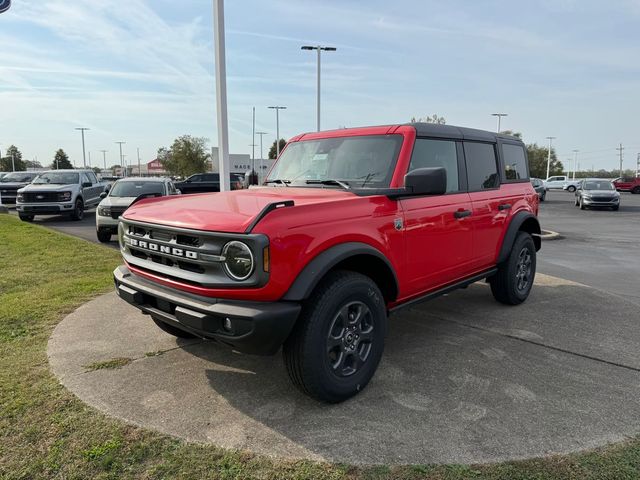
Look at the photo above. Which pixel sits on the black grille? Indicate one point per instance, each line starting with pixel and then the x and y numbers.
pixel 602 199
pixel 34 197
pixel 117 211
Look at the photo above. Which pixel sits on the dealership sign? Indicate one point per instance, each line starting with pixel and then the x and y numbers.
pixel 4 5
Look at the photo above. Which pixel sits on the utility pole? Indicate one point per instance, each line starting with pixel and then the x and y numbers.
pixel 13 161
pixel 620 150
pixel 122 158
pixel 319 48
pixel 261 134
pixel 548 153
pixel 104 158
pixel 253 144
pixel 500 115
pixel 221 96
pixel 575 162
pixel 277 109
pixel 139 171
pixel 638 165
pixel 89 158
pixel 84 157
pixel 253 160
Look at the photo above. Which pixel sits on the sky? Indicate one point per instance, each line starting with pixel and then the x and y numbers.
pixel 142 71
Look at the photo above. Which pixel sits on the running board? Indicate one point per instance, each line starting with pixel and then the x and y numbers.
pixel 449 288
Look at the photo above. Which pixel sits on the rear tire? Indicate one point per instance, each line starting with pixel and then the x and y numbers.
pixel 512 283
pixel 26 218
pixel 171 330
pixel 636 190
pixel 571 189
pixel 78 210
pixel 337 342
pixel 103 236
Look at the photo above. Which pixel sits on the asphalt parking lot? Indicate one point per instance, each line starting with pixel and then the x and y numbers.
pixel 463 379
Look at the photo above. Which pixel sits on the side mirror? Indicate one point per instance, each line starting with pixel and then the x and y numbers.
pixel 426 181
pixel 188 180
pixel 86 184
pixel 103 195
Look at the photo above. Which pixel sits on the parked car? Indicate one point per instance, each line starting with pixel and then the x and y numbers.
pixel 121 195
pixel 627 184
pixel 67 192
pixel 208 182
pixel 597 193
pixel 540 188
pixel 11 183
pixel 556 182
pixel 571 185
pixel 351 225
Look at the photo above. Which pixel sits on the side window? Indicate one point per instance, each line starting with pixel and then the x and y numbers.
pixel 92 177
pixel 515 162
pixel 84 178
pixel 482 168
pixel 437 153
pixel 196 178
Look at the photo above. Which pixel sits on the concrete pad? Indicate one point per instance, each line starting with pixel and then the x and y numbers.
pixel 463 380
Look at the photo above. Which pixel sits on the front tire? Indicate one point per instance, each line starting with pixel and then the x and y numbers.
pixel 512 283
pixel 337 342
pixel 171 330
pixel 543 197
pixel 582 205
pixel 26 218
pixel 78 210
pixel 103 236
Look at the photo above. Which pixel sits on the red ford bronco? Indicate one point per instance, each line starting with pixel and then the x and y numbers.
pixel 349 226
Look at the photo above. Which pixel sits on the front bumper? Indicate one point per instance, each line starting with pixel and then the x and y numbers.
pixel 258 328
pixel 107 223
pixel 45 208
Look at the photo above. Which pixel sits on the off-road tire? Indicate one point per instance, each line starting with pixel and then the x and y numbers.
pixel 171 330
pixel 78 210
pixel 342 302
pixel 505 284
pixel 103 236
pixel 26 218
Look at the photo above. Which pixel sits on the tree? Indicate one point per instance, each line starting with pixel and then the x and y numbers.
pixel 32 164
pixel 432 119
pixel 61 160
pixel 96 170
pixel 273 150
pixel 187 155
pixel 538 161
pixel 7 162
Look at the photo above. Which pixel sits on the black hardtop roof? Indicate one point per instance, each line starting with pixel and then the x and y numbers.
pixel 462 133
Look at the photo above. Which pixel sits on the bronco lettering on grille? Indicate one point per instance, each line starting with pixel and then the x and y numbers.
pixel 178 252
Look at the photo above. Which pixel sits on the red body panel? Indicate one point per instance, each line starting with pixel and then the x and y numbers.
pixel 433 247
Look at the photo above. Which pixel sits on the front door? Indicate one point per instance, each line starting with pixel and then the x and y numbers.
pixel 438 230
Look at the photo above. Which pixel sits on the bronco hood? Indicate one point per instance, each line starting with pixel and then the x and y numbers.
pixel 230 212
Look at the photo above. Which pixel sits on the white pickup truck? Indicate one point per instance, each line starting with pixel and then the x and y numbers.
pixel 561 182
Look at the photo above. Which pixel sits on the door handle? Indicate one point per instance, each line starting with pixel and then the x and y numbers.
pixel 462 213
pixel 504 206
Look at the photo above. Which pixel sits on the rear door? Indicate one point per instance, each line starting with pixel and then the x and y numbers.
pixel 95 190
pixel 438 229
pixel 490 209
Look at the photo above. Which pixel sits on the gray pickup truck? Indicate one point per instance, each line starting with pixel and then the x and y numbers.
pixel 60 192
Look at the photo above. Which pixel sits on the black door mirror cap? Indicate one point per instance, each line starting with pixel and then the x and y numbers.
pixel 103 195
pixel 426 181
pixel 86 184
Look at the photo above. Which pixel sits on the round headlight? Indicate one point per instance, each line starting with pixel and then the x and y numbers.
pixel 238 261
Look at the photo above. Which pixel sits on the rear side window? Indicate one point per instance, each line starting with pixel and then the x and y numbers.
pixel 515 162
pixel 437 153
pixel 482 168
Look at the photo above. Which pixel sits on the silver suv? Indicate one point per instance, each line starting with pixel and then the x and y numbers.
pixel 57 192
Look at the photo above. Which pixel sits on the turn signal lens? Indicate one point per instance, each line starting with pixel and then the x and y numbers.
pixel 265 259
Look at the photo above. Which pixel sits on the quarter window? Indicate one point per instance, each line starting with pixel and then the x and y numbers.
pixel 515 162
pixel 428 153
pixel 482 169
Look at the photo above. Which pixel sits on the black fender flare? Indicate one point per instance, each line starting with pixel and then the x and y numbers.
pixel 514 227
pixel 317 268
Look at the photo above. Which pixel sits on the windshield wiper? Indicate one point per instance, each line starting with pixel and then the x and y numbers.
pixel 280 181
pixel 329 181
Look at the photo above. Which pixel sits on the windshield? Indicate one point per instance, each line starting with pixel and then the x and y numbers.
pixel 57 178
pixel 601 185
pixel 134 189
pixel 18 177
pixel 363 161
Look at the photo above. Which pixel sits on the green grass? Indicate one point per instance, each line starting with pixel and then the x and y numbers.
pixel 112 364
pixel 45 432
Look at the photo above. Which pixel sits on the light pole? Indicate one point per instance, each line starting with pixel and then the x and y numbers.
pixel 221 96
pixel 139 171
pixel 261 134
pixel 277 109
pixel 575 163
pixel 84 157
pixel 104 158
pixel 549 155
pixel 500 115
pixel 122 158
pixel 319 48
pixel 638 165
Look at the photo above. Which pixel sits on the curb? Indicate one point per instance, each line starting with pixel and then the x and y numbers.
pixel 550 235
